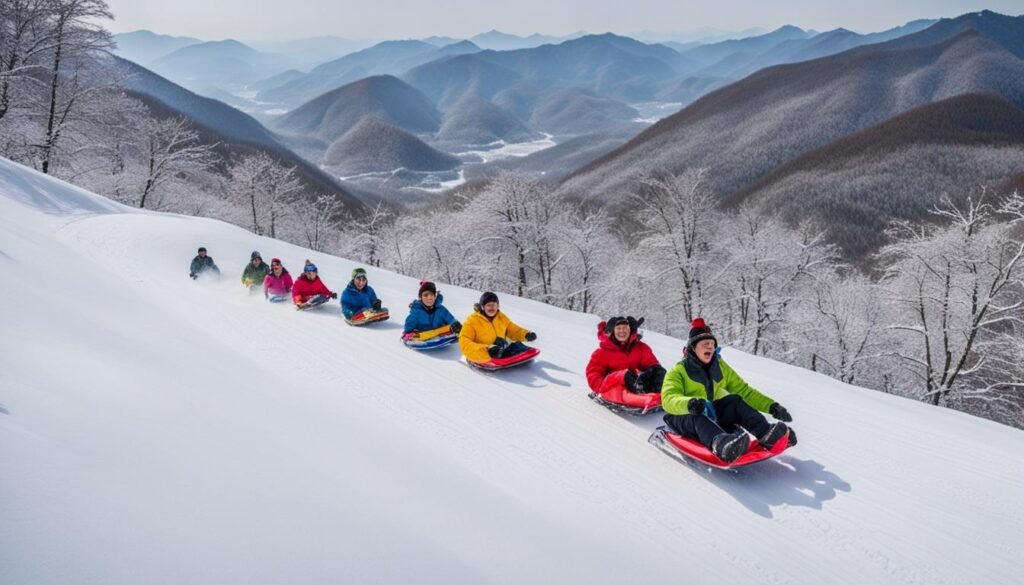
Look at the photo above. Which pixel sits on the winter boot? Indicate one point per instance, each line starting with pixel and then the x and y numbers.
pixel 792 437
pixel 729 446
pixel 775 432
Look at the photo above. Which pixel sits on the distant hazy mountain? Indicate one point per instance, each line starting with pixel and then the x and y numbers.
pixel 384 97
pixel 743 131
pixel 499 41
pixel 576 111
pixel 143 46
pixel 474 121
pixel 898 169
pixel 219 64
pixel 709 54
pixel 387 58
pixel 306 53
pixel 608 65
pixel 211 113
pixel 233 131
pixel 375 146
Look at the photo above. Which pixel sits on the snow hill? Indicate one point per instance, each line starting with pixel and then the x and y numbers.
pixel 158 430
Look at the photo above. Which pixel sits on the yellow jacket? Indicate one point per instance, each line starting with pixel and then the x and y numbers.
pixel 479 332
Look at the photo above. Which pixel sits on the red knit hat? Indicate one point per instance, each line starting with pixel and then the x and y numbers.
pixel 699 331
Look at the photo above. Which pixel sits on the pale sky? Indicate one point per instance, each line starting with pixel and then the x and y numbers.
pixel 396 19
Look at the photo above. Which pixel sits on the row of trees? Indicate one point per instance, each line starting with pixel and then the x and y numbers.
pixel 944 323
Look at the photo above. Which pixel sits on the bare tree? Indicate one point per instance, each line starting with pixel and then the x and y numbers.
pixel 170 148
pixel 77 40
pixel 24 38
pixel 266 188
pixel 961 287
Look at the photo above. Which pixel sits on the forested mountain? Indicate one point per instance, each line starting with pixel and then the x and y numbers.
pixel 743 131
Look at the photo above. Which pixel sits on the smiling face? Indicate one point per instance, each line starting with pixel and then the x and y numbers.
pixel 310 274
pixel 621 332
pixel 428 298
pixel 257 261
pixel 705 350
pixel 491 308
pixel 360 282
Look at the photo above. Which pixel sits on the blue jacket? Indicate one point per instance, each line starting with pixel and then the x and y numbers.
pixel 354 300
pixel 422 319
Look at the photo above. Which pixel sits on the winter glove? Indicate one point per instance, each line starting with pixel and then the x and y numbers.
pixel 494 351
pixel 193 276
pixel 531 336
pixel 780 412
pixel 696 405
pixel 456 327
pixel 650 380
pixel 376 305
pixel 334 295
pixel 630 380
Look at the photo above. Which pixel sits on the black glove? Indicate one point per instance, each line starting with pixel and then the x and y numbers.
pixel 334 295
pixel 630 380
pixel 780 412
pixel 376 305
pixel 193 276
pixel 650 379
pixel 494 350
pixel 531 336
pixel 500 342
pixel 696 405
pixel 456 327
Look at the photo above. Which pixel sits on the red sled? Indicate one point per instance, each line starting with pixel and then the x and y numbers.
pixel 690 450
pixel 495 364
pixel 368 316
pixel 615 397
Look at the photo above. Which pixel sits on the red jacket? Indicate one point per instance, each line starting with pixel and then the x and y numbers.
pixel 609 362
pixel 304 288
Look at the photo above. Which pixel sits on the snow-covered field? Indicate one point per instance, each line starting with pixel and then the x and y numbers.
pixel 158 430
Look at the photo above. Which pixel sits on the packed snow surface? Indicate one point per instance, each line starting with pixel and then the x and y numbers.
pixel 159 430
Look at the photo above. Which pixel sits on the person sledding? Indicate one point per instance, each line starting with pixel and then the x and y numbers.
pixel 707 401
pixel 428 317
pixel 623 372
pixel 255 272
pixel 203 265
pixel 490 338
pixel 308 290
pixel 359 302
pixel 277 284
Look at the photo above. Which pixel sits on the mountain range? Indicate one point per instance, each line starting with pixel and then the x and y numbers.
pixel 745 130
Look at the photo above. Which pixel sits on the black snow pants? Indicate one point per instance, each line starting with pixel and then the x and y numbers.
pixel 731 411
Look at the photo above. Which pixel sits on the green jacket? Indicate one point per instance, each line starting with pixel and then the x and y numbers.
pixel 690 379
pixel 253 276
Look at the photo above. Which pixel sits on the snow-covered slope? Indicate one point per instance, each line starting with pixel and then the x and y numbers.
pixel 158 430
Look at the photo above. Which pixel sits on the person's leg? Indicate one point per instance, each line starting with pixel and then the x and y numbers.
pixel 732 410
pixel 694 426
pixel 514 348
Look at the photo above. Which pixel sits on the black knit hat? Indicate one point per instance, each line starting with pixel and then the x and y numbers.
pixel 488 297
pixel 426 285
pixel 699 331
pixel 202 248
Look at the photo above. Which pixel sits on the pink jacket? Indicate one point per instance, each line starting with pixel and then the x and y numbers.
pixel 277 285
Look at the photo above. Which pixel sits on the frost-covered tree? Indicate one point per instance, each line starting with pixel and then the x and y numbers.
pixel 960 290
pixel 769 265
pixel 77 44
pixel 679 218
pixel 266 189
pixel 170 149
